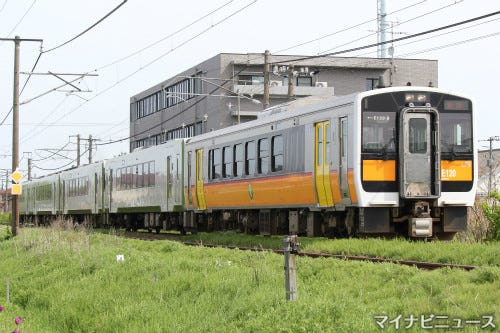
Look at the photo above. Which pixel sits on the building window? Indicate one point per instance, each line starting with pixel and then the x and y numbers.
pixel 304 81
pixel 250 80
pixel 371 84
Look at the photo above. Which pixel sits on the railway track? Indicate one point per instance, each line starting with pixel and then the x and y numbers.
pixel 419 264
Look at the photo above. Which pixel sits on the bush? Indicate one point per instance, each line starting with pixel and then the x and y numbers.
pixel 491 210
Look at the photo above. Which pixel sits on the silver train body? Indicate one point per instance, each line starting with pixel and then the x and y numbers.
pixel 388 161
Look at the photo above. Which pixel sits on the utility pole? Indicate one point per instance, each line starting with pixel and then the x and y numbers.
pixel 265 101
pixel 489 163
pixel 90 149
pixel 15 124
pixel 290 81
pixel 15 134
pixel 29 168
pixel 78 150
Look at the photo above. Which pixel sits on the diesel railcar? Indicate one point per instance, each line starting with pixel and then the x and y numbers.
pixel 397 160
pixel 393 160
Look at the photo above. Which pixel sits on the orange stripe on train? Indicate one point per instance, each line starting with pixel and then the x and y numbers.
pixel 269 191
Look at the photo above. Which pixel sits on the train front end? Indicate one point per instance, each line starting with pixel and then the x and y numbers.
pixel 418 162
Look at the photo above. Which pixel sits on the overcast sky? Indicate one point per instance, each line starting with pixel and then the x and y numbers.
pixel 182 34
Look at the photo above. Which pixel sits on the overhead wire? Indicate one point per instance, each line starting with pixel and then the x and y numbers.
pixel 22 18
pixel 391 40
pixel 56 47
pixel 3 6
pixel 163 38
pixel 398 24
pixel 346 29
pixel 52 153
pixel 88 29
pixel 154 60
pixel 311 57
pixel 213 25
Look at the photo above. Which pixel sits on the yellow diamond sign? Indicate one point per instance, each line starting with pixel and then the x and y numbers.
pixel 16 176
pixel 16 189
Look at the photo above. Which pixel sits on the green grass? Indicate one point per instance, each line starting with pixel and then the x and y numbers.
pixel 479 254
pixel 69 281
pixel 5 219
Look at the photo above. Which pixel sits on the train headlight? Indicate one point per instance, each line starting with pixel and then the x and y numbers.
pixel 409 98
pixel 418 99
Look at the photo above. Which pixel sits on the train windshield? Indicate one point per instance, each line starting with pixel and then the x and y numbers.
pixel 379 132
pixel 456 132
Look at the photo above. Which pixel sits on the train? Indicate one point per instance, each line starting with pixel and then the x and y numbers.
pixel 390 161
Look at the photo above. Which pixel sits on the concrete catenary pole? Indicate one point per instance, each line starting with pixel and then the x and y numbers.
pixel 265 102
pixel 15 133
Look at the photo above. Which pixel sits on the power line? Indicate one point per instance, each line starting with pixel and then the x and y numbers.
pixel 164 38
pixel 56 47
pixel 346 29
pixel 88 29
pixel 22 18
pixel 213 25
pixel 392 40
pixel 312 57
pixel 401 23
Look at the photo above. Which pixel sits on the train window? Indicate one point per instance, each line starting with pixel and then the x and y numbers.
pixel 319 136
pixel 277 153
pixel 379 132
pixel 118 179
pixel 238 160
pixel 456 132
pixel 129 177
pixel 152 173
pixel 250 158
pixel 140 178
pixel 263 162
pixel 123 179
pixel 328 135
pixel 418 135
pixel 215 163
pixel 227 162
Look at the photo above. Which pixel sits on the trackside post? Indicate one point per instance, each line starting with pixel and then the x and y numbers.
pixel 290 249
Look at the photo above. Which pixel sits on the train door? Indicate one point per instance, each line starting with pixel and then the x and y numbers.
pixel 343 161
pixel 169 180
pixel 419 165
pixel 110 189
pixel 96 192
pixel 200 195
pixel 189 180
pixel 322 182
pixel 63 196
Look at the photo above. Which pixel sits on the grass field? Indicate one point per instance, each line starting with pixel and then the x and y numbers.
pixel 70 281
pixel 487 253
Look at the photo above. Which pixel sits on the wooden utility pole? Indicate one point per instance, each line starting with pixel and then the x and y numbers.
pixel 266 80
